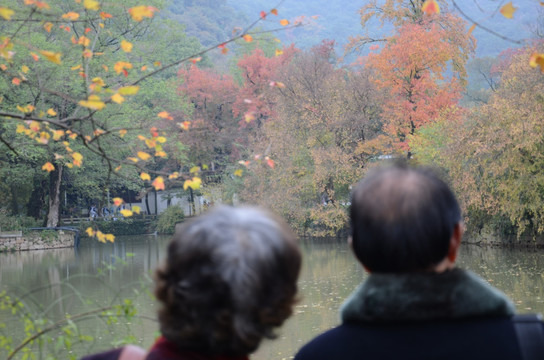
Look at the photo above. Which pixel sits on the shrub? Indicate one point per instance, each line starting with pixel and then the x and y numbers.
pixel 169 218
pixel 18 222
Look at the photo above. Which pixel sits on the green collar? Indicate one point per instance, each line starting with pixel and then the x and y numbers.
pixel 454 294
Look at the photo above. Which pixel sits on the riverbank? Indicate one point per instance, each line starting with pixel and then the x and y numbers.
pixel 492 240
pixel 37 240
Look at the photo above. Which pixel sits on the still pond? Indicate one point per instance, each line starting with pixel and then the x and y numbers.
pixel 61 281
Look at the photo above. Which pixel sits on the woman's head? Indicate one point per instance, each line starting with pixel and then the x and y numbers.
pixel 228 280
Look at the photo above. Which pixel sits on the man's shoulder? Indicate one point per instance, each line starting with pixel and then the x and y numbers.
pixel 493 337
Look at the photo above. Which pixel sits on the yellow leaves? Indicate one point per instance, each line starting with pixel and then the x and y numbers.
pixel 91 5
pixel 129 90
pixel 93 103
pixel 48 167
pixel 136 209
pixel 20 128
pixel 126 212
pixel 274 11
pixel 58 134
pixel 48 26
pixel 27 109
pixel 51 112
pixel 195 60
pixel 194 169
pixel 78 158
pixel 193 183
pixel 43 138
pixel 97 83
pixel 122 66
pixel 24 69
pixel 83 40
pixel 238 172
pixel 52 56
pixel 430 7
pixel 143 155
pixel 284 22
pixel 100 236
pixel 139 12
pixel 508 10
pixel 117 201
pixel 117 98
pixel 158 183
pixel 248 38
pixel 161 139
pixel 71 15
pixel 90 231
pixel 279 52
pixel 537 60
pixel 122 132
pixel 126 46
pixel 165 115
pixel 6 13
pixel 145 176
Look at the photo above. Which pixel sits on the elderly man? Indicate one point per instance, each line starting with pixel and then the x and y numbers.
pixel 406 231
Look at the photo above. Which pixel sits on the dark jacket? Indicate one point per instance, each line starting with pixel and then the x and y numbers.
pixel 453 315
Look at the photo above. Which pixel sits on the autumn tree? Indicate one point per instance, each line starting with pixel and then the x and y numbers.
pixel 82 79
pixel 421 65
pixel 214 135
pixel 493 154
pixel 322 113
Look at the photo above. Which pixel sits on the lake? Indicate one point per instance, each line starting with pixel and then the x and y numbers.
pixel 61 281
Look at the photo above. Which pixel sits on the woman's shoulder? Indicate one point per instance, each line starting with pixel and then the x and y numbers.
pixel 129 352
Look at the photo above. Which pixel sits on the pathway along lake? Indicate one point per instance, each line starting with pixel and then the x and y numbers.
pixel 76 280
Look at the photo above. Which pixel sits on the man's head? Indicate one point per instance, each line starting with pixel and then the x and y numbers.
pixel 403 220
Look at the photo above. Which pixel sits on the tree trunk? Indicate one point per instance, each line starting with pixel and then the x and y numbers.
pixel 147 203
pixel 55 179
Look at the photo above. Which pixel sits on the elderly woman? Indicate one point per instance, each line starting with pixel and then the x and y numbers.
pixel 228 280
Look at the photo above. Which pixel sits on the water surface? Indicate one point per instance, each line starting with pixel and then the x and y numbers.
pixel 60 281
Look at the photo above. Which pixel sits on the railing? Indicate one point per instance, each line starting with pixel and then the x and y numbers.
pixel 77 220
pixel 10 234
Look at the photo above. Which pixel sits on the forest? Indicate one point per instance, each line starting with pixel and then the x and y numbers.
pixel 278 107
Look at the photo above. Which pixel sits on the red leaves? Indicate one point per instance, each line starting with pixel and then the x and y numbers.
pixel 430 7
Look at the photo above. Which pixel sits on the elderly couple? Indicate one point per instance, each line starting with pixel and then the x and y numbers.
pixel 230 278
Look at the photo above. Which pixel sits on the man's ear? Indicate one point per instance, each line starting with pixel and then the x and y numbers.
pixel 350 242
pixel 455 241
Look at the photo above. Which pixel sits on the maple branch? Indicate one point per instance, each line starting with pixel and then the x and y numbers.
pixel 5 142
pixel 237 37
pixel 463 14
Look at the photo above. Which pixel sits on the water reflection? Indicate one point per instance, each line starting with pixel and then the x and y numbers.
pixel 63 281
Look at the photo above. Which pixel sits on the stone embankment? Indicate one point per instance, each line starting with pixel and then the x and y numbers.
pixel 36 240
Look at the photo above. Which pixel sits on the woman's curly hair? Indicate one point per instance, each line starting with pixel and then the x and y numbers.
pixel 229 279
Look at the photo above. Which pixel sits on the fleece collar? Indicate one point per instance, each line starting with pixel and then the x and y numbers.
pixel 454 294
